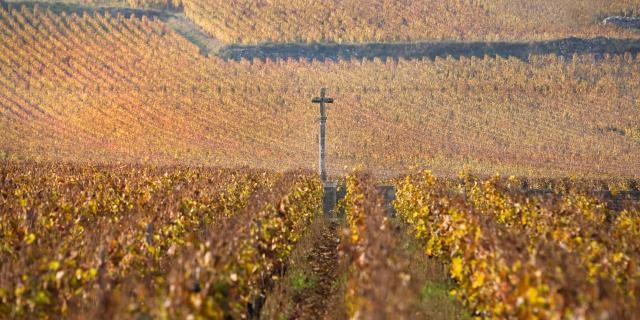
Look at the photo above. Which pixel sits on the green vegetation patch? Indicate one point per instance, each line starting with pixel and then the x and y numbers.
pixel 301 281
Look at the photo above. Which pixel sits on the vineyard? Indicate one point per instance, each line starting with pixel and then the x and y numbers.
pixel 130 240
pixel 171 242
pixel 514 256
pixel 511 255
pixel 146 175
pixel 251 22
pixel 132 90
pixel 386 277
pixel 358 21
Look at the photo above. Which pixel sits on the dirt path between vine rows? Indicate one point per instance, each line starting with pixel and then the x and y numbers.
pixel 308 289
pixel 323 261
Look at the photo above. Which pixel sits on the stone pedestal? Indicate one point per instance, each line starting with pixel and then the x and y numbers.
pixel 388 194
pixel 330 198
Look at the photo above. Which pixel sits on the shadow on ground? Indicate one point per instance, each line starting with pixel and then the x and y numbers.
pixel 599 47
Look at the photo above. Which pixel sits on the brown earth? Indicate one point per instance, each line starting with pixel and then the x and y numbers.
pixel 323 259
pixel 310 286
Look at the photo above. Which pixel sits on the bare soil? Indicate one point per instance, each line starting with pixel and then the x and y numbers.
pixel 323 260
pixel 308 288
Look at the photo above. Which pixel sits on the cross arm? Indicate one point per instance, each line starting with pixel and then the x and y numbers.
pixel 321 100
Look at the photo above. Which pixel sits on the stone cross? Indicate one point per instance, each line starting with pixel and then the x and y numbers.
pixel 322 100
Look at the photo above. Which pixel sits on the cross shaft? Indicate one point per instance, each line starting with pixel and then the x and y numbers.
pixel 322 100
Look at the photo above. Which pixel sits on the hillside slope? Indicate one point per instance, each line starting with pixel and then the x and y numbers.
pixel 250 22
pixel 366 21
pixel 115 89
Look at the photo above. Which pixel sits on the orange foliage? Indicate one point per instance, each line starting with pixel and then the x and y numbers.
pixel 115 89
pixel 250 21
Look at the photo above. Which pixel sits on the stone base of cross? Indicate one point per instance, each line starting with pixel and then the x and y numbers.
pixel 330 198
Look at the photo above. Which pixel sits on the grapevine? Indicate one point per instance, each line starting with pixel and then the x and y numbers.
pixel 515 255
